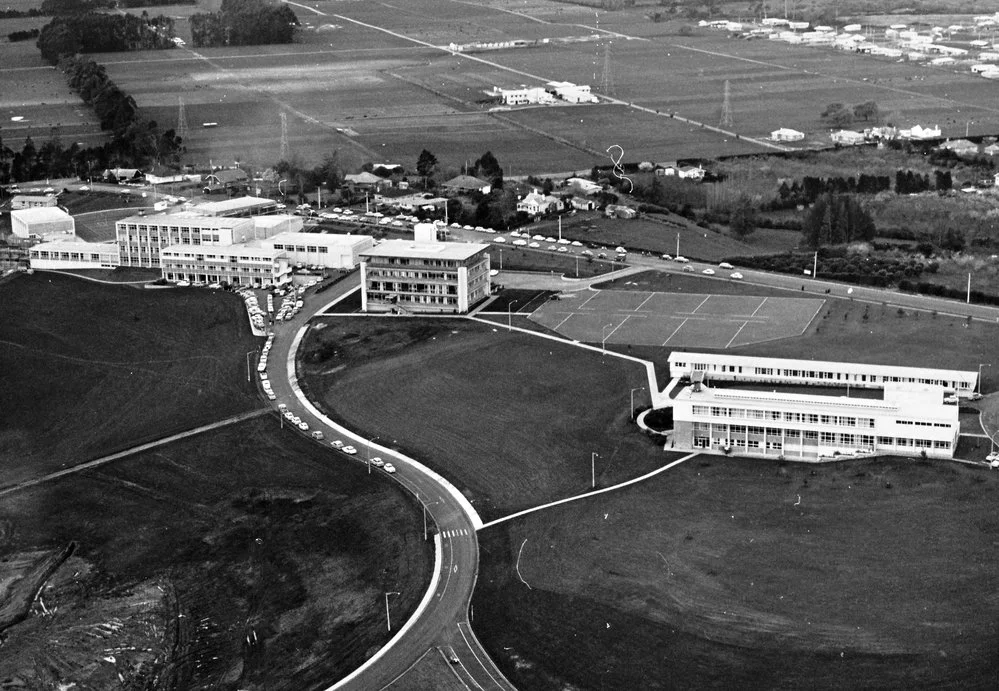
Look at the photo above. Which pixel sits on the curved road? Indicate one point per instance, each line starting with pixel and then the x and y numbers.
pixel 443 624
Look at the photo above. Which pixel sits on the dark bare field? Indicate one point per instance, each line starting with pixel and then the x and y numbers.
pixel 510 419
pixel 91 369
pixel 734 573
pixel 246 558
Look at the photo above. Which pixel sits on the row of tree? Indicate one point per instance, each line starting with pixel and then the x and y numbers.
pixel 837 218
pixel 244 23
pixel 93 32
pixel 811 188
pixel 841 115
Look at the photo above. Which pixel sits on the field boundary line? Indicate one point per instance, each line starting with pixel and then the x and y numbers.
pixel 445 484
pixel 593 493
pixel 404 629
pixel 242 417
pixel 736 335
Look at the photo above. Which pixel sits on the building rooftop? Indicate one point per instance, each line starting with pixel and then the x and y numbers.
pixel 75 245
pixel 326 239
pixel 227 206
pixel 425 250
pixel 41 214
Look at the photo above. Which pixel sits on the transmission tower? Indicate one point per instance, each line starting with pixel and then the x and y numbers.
pixel 284 137
pixel 608 83
pixel 181 121
pixel 726 111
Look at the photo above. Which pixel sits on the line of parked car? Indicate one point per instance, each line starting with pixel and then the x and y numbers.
pixel 265 381
pixel 707 272
pixel 336 443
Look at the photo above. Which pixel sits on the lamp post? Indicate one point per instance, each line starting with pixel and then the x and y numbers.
pixel 369 453
pixel 388 617
pixel 980 365
pixel 501 258
pixel 425 506
pixel 603 341
pixel 251 352
pixel 677 245
pixel 637 388
pixel 509 315
pixel 593 469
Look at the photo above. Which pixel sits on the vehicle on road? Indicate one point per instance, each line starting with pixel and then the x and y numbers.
pixel 668 257
pixel 725 265
pixel 681 259
pixel 318 434
pixel 737 276
pixel 376 461
pixel 389 468
pixel 689 269
pixel 304 426
pixel 336 444
pixel 349 449
pixel 708 272
pixel 499 239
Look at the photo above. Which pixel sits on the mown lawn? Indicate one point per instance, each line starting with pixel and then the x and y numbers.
pixel 738 573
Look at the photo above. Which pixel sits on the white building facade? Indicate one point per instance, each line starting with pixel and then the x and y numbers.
pixel 321 249
pixel 74 254
pixel 910 420
pixel 721 367
pixel 424 277
pixel 241 264
pixel 40 221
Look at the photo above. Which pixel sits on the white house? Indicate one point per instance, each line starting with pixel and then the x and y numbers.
pixel 920 132
pixel 32 201
pixel 535 203
pixel 785 134
pixel 691 173
pixel 847 137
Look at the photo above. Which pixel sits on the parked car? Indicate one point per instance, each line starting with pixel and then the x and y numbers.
pixel 336 444
pixel 377 462
pixel 389 468
pixel 708 272
pixel 737 276
pixel 318 434
pixel 689 269
pixel 349 449
pixel 304 426
pixel 681 259
pixel 725 265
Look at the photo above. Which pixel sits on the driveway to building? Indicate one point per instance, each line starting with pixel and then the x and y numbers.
pixel 443 623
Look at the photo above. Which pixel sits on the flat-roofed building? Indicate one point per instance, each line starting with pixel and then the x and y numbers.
pixel 407 276
pixel 245 264
pixel 40 221
pixel 742 368
pixel 237 207
pixel 141 238
pixel 74 254
pixel 321 249
pixel 910 420
pixel 268 226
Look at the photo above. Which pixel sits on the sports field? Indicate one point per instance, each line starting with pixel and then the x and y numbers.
pixel 677 319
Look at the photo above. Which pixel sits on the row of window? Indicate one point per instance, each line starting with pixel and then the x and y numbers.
pixel 418 288
pixel 866 441
pixel 223 269
pixel 922 423
pixel 302 248
pixel 414 299
pixel 69 256
pixel 703 442
pixel 825 376
pixel 408 261
pixel 427 275
pixel 786 416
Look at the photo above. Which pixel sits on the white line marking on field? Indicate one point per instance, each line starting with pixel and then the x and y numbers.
pixel 758 308
pixel 674 331
pixel 518 565
pixel 616 328
pixel 583 303
pixel 700 305
pixel 738 331
pixel 557 326
pixel 651 295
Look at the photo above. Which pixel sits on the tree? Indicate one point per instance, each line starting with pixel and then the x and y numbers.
pixel 488 168
pixel 742 220
pixel 426 165
pixel 868 111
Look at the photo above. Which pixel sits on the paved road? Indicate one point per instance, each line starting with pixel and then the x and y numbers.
pixel 444 623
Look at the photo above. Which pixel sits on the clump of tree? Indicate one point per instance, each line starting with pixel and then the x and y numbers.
pixel 15 36
pixel 103 33
pixel 842 115
pixel 837 218
pixel 244 23
pixel 70 7
pixel 488 168
pixel 742 218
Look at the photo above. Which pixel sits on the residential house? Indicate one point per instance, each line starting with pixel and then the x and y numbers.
pixel 691 173
pixel 32 201
pixel 366 181
pixel 464 184
pixel 123 174
pixel 920 132
pixel 536 203
pixel 785 134
pixel 582 203
pixel 225 180
pixel 619 211
pixel 991 150
pixel 667 169
pixel 961 147
pixel 847 138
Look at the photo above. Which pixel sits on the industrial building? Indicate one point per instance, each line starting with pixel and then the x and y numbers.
pixel 741 368
pixel 327 250
pixel 910 420
pixel 424 277
pixel 41 221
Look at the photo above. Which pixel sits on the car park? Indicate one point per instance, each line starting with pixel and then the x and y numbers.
pixel 349 449
pixel 389 468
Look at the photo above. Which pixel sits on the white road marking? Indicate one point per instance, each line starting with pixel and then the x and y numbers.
pixel 583 303
pixel 651 295
pixel 616 328
pixel 558 326
pixel 472 650
pixel 675 330
pixel 758 307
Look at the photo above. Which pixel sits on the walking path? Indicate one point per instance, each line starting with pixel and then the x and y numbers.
pixel 134 450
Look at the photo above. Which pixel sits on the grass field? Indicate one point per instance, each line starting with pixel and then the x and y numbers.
pixel 90 369
pixel 715 575
pixel 509 419
pixel 246 558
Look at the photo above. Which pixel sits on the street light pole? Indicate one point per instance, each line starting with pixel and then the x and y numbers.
pixel 677 245
pixel 369 453
pixel 388 617
pixel 509 315
pixel 425 505
pixel 593 469
pixel 637 388
pixel 248 354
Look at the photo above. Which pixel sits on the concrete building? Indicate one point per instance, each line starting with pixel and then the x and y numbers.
pixel 246 264
pixel 237 207
pixel 41 221
pixel 742 368
pixel 268 226
pixel 74 254
pixel 572 93
pixel 32 201
pixel 424 277
pixel 524 95
pixel 320 249
pixel 910 420
pixel 141 238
